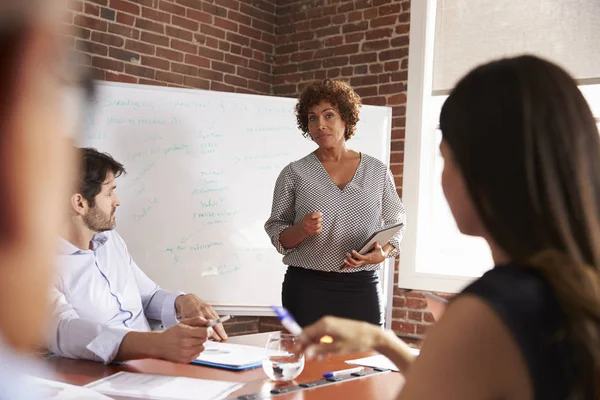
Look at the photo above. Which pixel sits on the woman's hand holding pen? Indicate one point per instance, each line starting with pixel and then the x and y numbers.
pixel 355 259
pixel 312 223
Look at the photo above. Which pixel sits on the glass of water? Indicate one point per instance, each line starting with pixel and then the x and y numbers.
pixel 284 361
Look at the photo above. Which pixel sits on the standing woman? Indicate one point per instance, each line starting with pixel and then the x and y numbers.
pixel 325 206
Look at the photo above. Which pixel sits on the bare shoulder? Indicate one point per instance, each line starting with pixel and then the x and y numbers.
pixel 469 354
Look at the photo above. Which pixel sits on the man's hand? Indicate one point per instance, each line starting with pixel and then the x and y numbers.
pixel 183 342
pixel 191 306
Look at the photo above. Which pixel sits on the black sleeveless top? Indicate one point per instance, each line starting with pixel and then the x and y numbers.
pixel 526 304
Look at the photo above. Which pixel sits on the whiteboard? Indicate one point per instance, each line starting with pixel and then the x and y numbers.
pixel 201 169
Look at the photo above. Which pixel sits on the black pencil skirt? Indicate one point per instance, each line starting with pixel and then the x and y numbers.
pixel 309 295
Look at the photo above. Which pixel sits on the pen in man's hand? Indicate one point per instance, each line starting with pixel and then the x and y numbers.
pixel 219 320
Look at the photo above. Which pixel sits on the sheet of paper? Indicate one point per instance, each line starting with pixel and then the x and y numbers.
pixel 234 354
pixel 378 361
pixel 53 390
pixel 161 387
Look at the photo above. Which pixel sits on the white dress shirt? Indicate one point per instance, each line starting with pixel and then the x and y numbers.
pixel 99 296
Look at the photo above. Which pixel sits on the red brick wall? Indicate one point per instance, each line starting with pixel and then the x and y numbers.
pixel 259 46
pixel 224 45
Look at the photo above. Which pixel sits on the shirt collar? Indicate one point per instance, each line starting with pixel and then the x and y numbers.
pixel 68 248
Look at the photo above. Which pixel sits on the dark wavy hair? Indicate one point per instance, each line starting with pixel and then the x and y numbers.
pixel 528 147
pixel 336 92
pixel 94 168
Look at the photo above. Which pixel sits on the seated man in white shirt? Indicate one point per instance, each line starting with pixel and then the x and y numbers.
pixel 102 300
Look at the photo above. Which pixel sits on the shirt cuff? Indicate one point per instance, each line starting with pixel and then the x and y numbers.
pixel 106 344
pixel 168 315
pixel 275 240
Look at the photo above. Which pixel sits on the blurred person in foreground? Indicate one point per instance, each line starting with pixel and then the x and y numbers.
pixel 36 163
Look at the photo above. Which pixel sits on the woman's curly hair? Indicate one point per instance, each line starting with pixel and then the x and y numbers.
pixel 334 91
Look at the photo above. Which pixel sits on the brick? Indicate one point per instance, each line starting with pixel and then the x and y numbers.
pixel 389 20
pixel 140 47
pixel 153 38
pixel 392 88
pixel 394 54
pixel 369 80
pixel 354 37
pixel 221 87
pixel 210 74
pixel 375 68
pixel 401 76
pixel 91 47
pixel 285 69
pixel 361 69
pixel 248 73
pixel 256 11
pixel 335 62
pixel 347 71
pixel 224 46
pixel 138 70
pixel 238 17
pixel 422 329
pixel 212 31
pixel 108 64
pixel 156 15
pixel 90 23
pixel 331 30
pixel 214 9
pixel 91 9
pixel 392 66
pixel 380 33
pixel 112 77
pixel 376 45
pixel 333 73
pixel 385 78
pixel 169 54
pixel 428 317
pixel 100 2
pixel 310 65
pixel 226 24
pixel 179 33
pixel 404 64
pixel 223 67
pixel 400 41
pixel 195 4
pixel 125 6
pixel 415 316
pixel 263 26
pixel 155 62
pixel 197 61
pixel 198 83
pixel 262 46
pixel 125 19
pixel 260 66
pixel 231 4
pixel 333 41
pixel 397 99
pixel 184 69
pixel 146 24
pixel 259 87
pixel 251 32
pixel 355 16
pixel 236 60
pixel 345 7
pixel 172 8
pixel 186 47
pixel 397 158
pixel 398 134
pixel 143 81
pixel 402 29
pixel 355 27
pixel 123 31
pixel 124 55
pixel 239 39
pixel 403 18
pixel 212 42
pixel 302 56
pixel 403 327
pixel 399 314
pixel 338 19
pixel 210 53
pixel 398 301
pixel 366 91
pixel 346 49
pixel 185 23
pixel 399 122
pixel 389 9
pixel 147 3
pixel 169 77
pixel 236 81
pixel 416 304
pixel 363 58
pixel 311 45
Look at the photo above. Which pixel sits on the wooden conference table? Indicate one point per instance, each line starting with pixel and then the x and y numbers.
pixel 383 385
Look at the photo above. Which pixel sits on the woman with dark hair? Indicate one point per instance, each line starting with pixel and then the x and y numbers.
pixel 325 206
pixel 522 170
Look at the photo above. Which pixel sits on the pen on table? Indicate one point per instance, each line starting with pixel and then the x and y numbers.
pixel 219 320
pixel 348 371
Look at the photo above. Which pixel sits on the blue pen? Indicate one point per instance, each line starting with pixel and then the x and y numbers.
pixel 289 322
pixel 335 374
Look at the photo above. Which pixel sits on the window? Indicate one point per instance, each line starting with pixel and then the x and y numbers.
pixel 435 255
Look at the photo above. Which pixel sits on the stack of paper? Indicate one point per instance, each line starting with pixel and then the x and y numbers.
pixel 233 356
pixel 159 387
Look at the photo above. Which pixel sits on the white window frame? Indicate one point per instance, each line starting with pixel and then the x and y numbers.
pixel 419 155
